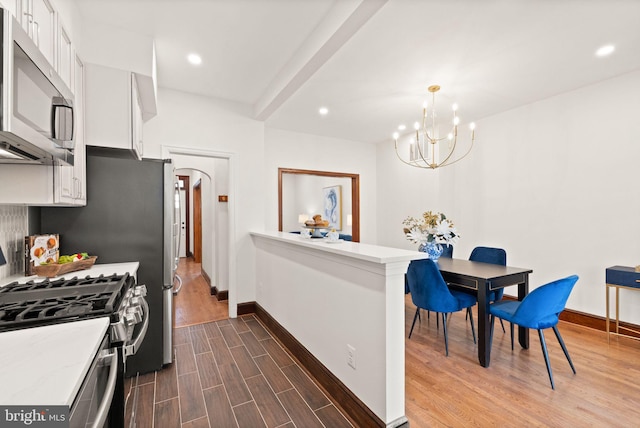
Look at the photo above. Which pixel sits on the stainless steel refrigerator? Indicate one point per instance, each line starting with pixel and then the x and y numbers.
pixel 132 214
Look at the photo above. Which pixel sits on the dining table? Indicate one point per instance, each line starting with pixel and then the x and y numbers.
pixel 483 278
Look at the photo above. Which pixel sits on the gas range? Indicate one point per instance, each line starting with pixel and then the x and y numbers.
pixel 37 303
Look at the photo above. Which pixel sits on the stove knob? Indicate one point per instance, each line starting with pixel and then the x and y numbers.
pixel 130 319
pixel 134 313
pixel 140 290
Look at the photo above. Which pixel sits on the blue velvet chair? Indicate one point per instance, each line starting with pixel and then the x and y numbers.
pixel 447 251
pixel 539 310
pixel 496 256
pixel 429 291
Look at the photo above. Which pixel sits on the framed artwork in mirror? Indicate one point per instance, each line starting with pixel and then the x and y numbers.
pixel 332 206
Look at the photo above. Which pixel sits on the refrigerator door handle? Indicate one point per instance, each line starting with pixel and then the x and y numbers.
pixel 179 280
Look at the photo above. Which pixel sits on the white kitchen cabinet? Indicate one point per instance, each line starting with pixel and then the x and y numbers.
pixel 12 6
pixel 113 110
pixel 39 19
pixel 66 57
pixel 70 183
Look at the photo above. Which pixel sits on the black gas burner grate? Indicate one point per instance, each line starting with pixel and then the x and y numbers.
pixel 35 303
pixel 61 283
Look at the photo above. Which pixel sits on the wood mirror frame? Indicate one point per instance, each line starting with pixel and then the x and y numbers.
pixel 355 195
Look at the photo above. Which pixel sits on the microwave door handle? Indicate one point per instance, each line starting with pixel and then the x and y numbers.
pixel 103 410
pixel 131 349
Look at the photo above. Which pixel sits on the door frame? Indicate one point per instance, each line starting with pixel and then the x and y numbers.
pixel 187 220
pixel 169 152
pixel 197 221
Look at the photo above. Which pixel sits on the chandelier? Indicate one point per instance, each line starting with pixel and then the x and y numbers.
pixel 429 149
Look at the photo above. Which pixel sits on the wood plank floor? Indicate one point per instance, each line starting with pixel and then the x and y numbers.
pixel 194 304
pixel 230 373
pixel 515 391
pixel 222 367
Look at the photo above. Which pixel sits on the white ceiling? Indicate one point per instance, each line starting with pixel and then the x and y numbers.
pixel 370 61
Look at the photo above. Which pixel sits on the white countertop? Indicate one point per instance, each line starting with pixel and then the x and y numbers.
pixel 46 365
pixel 95 270
pixel 356 250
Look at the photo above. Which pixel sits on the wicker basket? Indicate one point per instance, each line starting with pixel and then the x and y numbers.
pixel 57 269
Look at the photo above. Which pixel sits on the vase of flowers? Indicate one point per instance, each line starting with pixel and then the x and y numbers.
pixel 431 232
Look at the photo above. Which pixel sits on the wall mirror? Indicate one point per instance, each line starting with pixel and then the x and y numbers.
pixel 305 193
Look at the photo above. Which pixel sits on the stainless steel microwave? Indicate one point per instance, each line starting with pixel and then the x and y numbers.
pixel 36 125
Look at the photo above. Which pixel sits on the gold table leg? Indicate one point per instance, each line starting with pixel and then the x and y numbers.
pixel 608 333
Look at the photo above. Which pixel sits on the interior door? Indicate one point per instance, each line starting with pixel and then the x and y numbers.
pixel 197 222
pixel 183 227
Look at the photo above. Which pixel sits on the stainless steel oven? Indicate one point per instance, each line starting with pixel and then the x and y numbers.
pixel 101 400
pixel 92 404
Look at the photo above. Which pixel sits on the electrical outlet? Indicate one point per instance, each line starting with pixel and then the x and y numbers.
pixel 351 356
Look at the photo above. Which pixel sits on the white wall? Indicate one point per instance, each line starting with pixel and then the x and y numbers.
pixel 221 224
pixel 554 183
pixel 210 125
pixel 285 149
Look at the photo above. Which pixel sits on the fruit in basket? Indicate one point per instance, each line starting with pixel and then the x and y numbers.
pixel 72 258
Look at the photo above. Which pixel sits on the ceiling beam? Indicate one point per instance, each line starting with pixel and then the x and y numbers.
pixel 329 36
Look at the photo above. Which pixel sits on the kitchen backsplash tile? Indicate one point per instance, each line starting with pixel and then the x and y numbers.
pixel 14 226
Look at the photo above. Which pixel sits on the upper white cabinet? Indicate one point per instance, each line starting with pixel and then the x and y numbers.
pixel 113 109
pixel 66 57
pixel 39 19
pixel 70 183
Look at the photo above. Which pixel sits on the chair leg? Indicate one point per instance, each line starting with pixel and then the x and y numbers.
pixel 419 317
pixel 444 328
pixel 473 330
pixel 414 321
pixel 543 344
pixel 511 325
pixel 493 319
pixel 564 348
pixel 502 324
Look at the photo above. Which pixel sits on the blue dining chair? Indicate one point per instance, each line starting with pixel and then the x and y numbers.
pixel 539 310
pixel 429 291
pixel 496 256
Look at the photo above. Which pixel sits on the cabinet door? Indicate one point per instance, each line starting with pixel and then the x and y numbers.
pixel 43 28
pixel 70 182
pixel 66 58
pixel 136 120
pixel 80 153
pixel 13 6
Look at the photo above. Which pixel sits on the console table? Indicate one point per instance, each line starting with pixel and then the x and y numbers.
pixel 621 277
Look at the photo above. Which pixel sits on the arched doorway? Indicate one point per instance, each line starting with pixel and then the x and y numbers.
pixel 219 167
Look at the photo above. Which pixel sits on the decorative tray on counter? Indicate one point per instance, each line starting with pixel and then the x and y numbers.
pixel 57 269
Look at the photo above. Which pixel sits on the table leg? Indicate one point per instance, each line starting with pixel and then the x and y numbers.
pixel 523 333
pixel 484 326
pixel 606 287
pixel 617 310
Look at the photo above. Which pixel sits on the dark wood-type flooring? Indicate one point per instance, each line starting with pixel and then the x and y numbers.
pixel 194 304
pixel 234 371
pixel 231 373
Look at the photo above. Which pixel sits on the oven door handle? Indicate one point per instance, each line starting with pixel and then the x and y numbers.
pixel 131 349
pixel 103 410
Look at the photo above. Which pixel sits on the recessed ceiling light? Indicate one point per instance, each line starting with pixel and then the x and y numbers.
pixel 194 59
pixel 402 127
pixel 605 50
pixel 323 111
